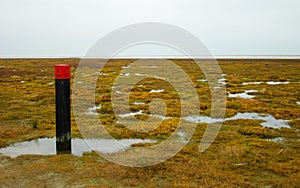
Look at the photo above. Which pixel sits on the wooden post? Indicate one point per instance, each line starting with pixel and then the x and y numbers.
pixel 63 118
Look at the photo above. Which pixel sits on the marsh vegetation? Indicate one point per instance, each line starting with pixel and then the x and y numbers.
pixel 245 153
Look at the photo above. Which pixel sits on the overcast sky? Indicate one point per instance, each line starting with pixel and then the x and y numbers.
pixel 68 28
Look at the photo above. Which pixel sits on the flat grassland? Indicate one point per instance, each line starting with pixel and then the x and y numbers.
pixel 244 154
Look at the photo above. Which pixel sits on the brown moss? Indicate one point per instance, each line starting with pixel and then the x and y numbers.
pixel 239 157
pixel 258 131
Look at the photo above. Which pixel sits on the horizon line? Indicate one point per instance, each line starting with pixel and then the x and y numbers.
pixel 166 57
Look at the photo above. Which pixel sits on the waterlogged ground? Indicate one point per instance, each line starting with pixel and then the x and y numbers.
pixel 258 145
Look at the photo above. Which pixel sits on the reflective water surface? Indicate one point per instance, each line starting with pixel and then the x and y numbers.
pixel 244 95
pixel 269 83
pixel 47 146
pixel 268 120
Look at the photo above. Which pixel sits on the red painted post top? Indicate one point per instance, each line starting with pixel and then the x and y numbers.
pixel 62 71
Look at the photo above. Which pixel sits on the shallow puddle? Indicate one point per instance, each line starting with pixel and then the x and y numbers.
pixel 140 112
pixel 244 95
pixel 202 119
pixel 251 83
pixel 277 83
pixel 182 137
pixel 269 120
pixel 157 90
pixel 138 74
pixel 93 110
pixel 202 80
pixel 278 139
pixel 138 103
pixel 47 146
pixel 131 114
pixel 222 81
pixel 125 74
pixel 269 83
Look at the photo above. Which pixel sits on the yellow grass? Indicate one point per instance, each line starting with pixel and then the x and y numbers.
pixel 241 156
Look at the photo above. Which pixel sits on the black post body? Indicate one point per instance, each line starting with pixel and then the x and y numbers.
pixel 63 118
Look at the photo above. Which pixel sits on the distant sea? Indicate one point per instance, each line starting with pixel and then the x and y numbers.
pixel 216 57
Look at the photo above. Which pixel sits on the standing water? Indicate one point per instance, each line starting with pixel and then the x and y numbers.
pixel 46 146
